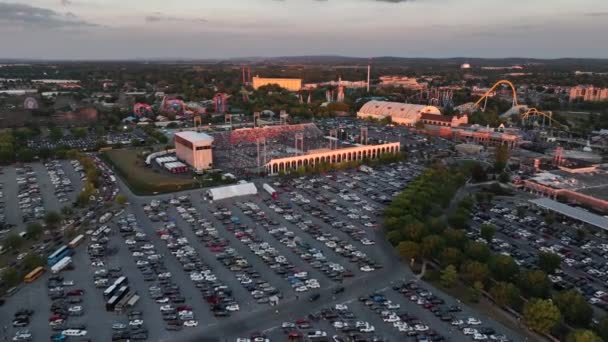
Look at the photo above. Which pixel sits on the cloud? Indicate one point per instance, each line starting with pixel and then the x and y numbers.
pixel 38 17
pixel 394 1
pixel 66 2
pixel 159 17
pixel 596 14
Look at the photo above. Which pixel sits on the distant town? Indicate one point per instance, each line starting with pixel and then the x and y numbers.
pixel 304 199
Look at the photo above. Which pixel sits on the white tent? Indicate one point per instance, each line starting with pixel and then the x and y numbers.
pixel 224 192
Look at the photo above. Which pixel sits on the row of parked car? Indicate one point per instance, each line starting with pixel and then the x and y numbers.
pixel 250 278
pixel 309 254
pixel 67 304
pixel 59 179
pixel 164 291
pixel 217 294
pixel 340 246
pixel 29 197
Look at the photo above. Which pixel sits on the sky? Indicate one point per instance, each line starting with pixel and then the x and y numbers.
pixel 153 29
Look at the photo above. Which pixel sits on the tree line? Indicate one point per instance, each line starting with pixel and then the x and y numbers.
pixel 416 226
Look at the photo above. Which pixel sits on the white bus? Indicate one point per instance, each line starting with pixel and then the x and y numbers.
pixel 61 265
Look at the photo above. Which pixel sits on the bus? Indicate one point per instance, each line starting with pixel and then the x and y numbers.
pixel 35 274
pixel 109 292
pixel 111 304
pixel 76 241
pixel 59 254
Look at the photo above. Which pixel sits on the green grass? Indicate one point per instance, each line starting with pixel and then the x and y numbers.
pixel 141 179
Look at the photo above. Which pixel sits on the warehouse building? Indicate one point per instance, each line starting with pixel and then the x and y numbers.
pixel 400 113
pixel 291 84
pixel 195 149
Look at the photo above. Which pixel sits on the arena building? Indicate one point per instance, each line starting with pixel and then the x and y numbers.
pixel 400 113
pixel 291 84
pixel 194 149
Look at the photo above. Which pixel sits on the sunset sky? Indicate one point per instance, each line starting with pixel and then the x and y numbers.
pixel 119 29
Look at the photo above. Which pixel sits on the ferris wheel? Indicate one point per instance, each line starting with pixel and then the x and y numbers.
pixel 30 103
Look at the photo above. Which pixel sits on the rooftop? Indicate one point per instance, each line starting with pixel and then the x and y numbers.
pixel 192 136
pixel 572 212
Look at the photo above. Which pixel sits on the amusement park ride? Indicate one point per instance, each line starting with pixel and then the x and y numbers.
pixel 527 115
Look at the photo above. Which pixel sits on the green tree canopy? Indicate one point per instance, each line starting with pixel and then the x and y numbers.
pixel 505 294
pixel 582 335
pixel 548 262
pixel 535 283
pixel 574 307
pixel 10 276
pixel 32 260
pixel 13 242
pixel 474 271
pixel 432 246
pixel 449 276
pixel 33 230
pixel 477 251
pixel 541 315
pixel 52 219
pixel 408 250
pixel 488 231
pixel 503 267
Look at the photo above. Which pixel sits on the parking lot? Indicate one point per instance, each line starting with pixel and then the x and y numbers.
pixel 250 265
pixel 31 190
pixel 523 233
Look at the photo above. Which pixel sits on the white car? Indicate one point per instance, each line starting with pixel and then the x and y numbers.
pixel 136 323
pixel 480 337
pixel 340 325
pixel 163 300
pixel 469 331
pixel 233 307
pixel 166 308
pixel 367 329
pixel 68 283
pixel 392 318
pixel 341 307
pixel 74 332
pixel 367 242
pixel 473 321
pixel 301 289
pixel 97 264
pixel 191 323
pixel 367 268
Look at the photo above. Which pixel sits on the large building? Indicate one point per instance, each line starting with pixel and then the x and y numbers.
pixel 401 81
pixel 588 93
pixel 194 149
pixel 400 113
pixel 291 84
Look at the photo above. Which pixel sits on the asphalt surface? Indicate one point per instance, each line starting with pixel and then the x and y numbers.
pixel 252 316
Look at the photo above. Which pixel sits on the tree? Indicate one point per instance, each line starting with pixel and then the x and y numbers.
pixel 66 211
pixel 535 284
pixel 582 335
pixel 408 250
pixel 455 238
pixel 449 276
pixel 575 309
pixel 549 262
pixel 474 271
pixel 451 256
pixel 541 315
pixel 602 328
pixel 432 246
pixel 501 157
pixel 487 232
pixel 477 251
pixel 52 219
pixel 33 230
pixel 10 276
pixel 121 199
pixel 505 294
pixel 503 267
pixel 31 261
pixel 478 173
pixel 459 218
pixel 56 133
pixel 13 242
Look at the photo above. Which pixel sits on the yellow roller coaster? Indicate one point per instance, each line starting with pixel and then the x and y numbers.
pixel 485 96
pixel 533 112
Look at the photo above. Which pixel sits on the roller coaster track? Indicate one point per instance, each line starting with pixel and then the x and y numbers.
pixel 485 96
pixel 533 112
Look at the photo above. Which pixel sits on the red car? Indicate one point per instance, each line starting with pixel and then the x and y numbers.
pixel 55 318
pixel 217 249
pixel 184 308
pixel 77 292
